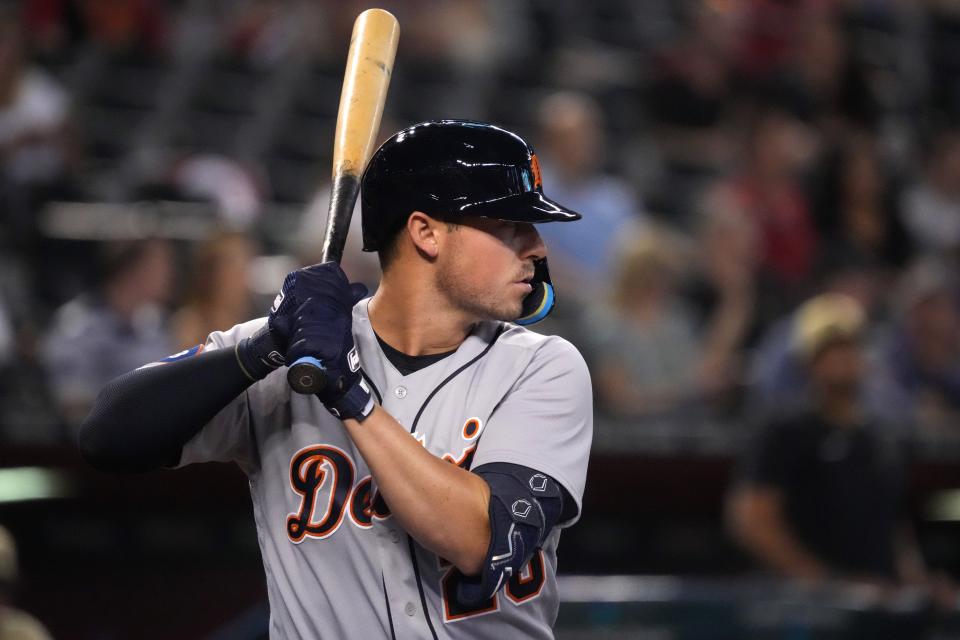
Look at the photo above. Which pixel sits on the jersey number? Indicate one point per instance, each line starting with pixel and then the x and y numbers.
pixel 522 587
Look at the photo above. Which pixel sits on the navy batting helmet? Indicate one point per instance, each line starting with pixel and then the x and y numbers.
pixel 457 168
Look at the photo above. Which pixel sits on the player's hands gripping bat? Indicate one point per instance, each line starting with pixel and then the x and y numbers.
pixel 373 47
pixel 311 317
pixel 315 318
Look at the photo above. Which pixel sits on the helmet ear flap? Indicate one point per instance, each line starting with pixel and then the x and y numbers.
pixel 540 302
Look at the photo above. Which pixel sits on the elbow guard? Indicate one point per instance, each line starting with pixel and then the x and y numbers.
pixel 525 505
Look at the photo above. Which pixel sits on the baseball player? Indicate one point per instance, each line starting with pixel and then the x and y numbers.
pixel 422 492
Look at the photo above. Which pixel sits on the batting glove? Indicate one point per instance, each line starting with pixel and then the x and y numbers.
pixel 264 351
pixel 321 327
pixel 268 348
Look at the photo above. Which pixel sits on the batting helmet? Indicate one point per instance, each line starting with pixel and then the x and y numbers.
pixel 458 168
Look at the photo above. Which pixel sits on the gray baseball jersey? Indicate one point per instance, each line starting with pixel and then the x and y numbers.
pixel 337 564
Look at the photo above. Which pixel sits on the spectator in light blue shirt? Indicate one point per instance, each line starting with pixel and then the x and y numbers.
pixel 572 151
pixel 114 329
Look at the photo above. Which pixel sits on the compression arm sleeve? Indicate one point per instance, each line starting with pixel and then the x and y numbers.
pixel 141 420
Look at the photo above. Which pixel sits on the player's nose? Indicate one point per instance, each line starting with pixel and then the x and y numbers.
pixel 531 245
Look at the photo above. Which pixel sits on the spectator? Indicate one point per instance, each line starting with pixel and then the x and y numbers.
pixel 270 32
pixel 769 34
pixel 819 58
pixel 231 185
pixel 34 112
pixel 235 189
pixel 53 28
pixel 776 376
pixel 820 492
pixel 723 294
pixel 645 346
pixel 779 148
pixel 218 293
pixel 691 94
pixel 14 623
pixel 132 27
pixel 572 148
pixel 931 207
pixel 25 409
pixel 817 73
pixel 919 380
pixel 104 333
pixel 858 212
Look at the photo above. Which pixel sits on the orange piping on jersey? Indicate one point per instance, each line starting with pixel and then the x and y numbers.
pixel 379 506
pixel 366 507
pixel 450 617
pixel 472 428
pixel 465 457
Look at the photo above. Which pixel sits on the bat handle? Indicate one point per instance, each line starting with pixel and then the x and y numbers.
pixel 343 197
pixel 307 375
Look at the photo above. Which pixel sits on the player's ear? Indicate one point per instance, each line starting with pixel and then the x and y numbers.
pixel 424 232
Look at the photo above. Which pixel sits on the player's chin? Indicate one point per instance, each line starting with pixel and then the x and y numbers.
pixel 506 305
pixel 502 310
pixel 512 308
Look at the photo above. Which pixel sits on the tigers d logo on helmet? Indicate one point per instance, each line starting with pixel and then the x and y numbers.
pixel 535 169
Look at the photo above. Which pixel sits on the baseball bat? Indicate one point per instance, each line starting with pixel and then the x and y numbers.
pixel 373 47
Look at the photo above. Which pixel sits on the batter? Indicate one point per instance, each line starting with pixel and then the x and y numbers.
pixel 421 493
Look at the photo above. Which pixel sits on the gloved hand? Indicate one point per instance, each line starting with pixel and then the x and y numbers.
pixel 264 351
pixel 313 316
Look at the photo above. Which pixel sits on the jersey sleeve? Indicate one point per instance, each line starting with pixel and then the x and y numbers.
pixel 545 421
pixel 227 437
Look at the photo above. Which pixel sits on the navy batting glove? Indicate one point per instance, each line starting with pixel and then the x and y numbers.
pixel 259 354
pixel 321 327
pixel 265 350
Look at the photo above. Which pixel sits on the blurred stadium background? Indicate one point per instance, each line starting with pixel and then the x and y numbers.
pixel 163 164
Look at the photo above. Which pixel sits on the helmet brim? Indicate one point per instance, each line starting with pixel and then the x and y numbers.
pixel 532 207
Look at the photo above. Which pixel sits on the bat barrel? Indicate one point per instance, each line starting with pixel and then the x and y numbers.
pixel 373 48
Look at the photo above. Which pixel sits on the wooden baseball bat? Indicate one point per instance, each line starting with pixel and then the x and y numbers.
pixel 373 47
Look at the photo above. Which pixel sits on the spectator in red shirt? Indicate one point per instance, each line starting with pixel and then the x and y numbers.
pixel 768 190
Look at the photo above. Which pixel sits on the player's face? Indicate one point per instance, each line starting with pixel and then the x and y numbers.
pixel 487 266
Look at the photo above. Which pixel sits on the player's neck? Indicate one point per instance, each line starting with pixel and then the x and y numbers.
pixel 416 319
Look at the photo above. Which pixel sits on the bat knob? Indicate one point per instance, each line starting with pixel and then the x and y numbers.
pixel 306 375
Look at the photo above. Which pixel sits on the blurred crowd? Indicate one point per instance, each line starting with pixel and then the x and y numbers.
pixel 732 159
pixel 770 192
